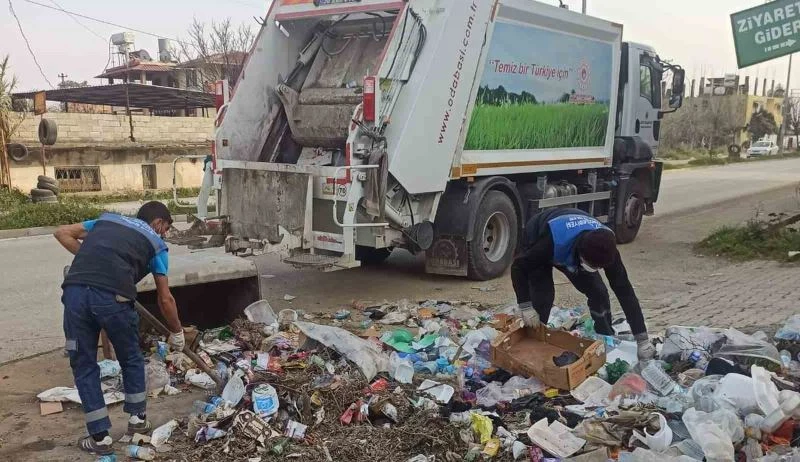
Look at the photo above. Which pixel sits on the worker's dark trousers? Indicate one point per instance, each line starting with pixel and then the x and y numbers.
pixel 536 286
pixel 87 310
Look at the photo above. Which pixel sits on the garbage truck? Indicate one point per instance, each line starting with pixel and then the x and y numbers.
pixel 438 126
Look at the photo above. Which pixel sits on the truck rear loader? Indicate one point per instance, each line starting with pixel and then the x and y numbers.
pixel 437 126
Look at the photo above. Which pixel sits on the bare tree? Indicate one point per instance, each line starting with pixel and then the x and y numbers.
pixel 708 121
pixel 794 118
pixel 215 51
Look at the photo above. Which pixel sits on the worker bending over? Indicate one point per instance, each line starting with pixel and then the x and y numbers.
pixel 578 245
pixel 112 254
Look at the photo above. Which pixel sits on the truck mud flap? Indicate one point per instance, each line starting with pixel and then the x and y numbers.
pixel 447 256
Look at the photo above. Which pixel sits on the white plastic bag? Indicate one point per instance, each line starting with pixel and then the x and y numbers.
pixel 364 354
pixel 157 376
pixel 234 389
pixel 658 441
pixel 715 432
pixel 200 379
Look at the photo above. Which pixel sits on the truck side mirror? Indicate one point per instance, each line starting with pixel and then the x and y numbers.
pixel 678 88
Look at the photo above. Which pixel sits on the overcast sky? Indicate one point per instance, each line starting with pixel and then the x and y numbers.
pixel 693 33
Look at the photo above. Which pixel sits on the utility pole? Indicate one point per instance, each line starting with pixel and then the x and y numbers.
pixel 785 115
pixel 63 77
pixel 583 8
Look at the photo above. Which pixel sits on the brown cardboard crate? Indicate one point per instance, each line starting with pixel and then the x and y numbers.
pixel 529 352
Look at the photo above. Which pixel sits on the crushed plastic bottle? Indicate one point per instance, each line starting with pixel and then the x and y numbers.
pixel 659 380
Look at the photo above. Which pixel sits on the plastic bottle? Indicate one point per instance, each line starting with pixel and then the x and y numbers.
pixel 659 380
pixel 108 458
pixel 786 359
pixel 222 370
pixel 139 452
pixel 698 360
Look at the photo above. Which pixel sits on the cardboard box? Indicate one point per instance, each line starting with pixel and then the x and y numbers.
pixel 529 352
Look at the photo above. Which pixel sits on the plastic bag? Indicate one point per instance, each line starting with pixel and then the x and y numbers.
pixel 702 392
pixel 109 368
pixel 715 432
pixel 234 389
pixel 764 391
pixel 739 346
pixel 628 385
pixel 790 330
pixel 400 369
pixel 200 379
pixel 658 441
pixel 157 376
pixel 680 342
pixel 737 392
pixel 366 355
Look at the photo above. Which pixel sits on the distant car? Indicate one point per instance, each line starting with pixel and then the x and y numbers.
pixel 763 148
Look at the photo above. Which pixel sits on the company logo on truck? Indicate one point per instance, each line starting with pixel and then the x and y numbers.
pixel 462 54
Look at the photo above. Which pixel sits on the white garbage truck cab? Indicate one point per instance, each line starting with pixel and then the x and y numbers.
pixel 436 126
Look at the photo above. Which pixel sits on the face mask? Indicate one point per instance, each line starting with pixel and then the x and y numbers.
pixel 587 267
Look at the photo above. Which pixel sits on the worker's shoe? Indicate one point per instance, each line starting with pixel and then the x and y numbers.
pixel 138 425
pixel 98 448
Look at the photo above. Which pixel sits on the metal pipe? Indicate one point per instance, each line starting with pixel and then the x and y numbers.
pixel 583 8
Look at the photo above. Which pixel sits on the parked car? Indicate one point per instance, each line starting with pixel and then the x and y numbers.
pixel 763 148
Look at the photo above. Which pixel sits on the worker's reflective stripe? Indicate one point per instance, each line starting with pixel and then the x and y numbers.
pixel 134 398
pixel 71 345
pixel 99 414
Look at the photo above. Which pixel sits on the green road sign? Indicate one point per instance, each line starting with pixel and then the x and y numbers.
pixel 766 32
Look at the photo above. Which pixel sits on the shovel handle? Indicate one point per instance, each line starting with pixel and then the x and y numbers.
pixel 153 321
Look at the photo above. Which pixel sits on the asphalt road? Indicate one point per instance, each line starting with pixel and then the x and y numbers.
pixel 30 310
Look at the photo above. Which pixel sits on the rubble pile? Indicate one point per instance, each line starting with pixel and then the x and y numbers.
pixel 425 382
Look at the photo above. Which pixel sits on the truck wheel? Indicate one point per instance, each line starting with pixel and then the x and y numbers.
pixel 494 237
pixel 632 213
pixel 369 256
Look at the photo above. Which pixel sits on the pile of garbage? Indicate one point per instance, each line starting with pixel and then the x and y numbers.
pixel 420 382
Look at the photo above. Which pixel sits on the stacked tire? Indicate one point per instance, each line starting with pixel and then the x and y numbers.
pixel 46 190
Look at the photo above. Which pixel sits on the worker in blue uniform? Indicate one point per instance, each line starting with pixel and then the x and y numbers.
pixel 112 254
pixel 578 245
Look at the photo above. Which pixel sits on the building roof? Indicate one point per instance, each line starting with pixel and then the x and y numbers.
pixel 137 65
pixel 140 96
pixel 234 57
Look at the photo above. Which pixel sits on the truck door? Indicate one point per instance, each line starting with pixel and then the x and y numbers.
pixel 641 96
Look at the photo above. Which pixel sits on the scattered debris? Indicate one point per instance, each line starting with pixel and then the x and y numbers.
pixel 455 381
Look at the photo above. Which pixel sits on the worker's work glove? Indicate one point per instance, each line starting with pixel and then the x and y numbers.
pixel 529 315
pixel 645 349
pixel 177 341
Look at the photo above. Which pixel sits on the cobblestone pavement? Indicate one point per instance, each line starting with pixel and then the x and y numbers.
pixel 749 296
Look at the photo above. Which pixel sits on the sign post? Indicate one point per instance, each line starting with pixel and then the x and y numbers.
pixel 766 32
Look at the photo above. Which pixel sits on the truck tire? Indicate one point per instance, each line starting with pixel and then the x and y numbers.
pixel 17 152
pixel 38 193
pixel 49 186
pixel 47 179
pixel 46 199
pixel 48 132
pixel 495 236
pixel 632 212
pixel 369 256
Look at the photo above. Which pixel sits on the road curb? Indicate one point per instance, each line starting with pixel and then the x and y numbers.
pixel 45 230
pixel 26 232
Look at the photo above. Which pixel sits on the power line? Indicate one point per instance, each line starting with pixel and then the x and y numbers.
pixel 102 21
pixel 104 39
pixel 28 44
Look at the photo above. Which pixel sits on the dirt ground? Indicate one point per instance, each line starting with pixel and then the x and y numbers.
pixel 661 263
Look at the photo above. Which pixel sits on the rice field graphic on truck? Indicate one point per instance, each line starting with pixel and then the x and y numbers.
pixel 541 90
